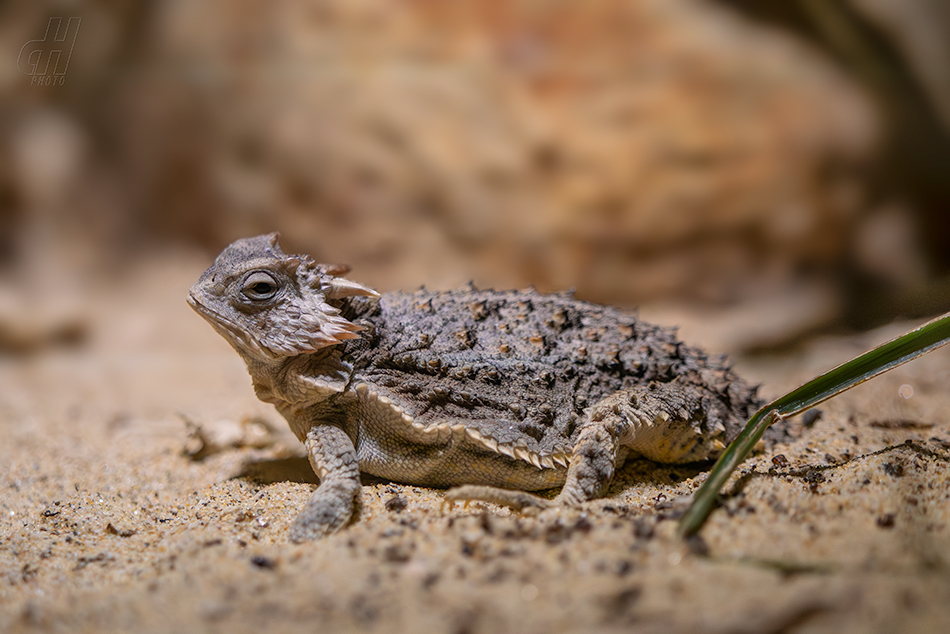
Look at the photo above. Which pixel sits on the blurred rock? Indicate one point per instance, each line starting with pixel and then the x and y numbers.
pixel 919 29
pixel 887 246
pixel 634 150
pixel 29 324
pixel 766 322
pixel 897 50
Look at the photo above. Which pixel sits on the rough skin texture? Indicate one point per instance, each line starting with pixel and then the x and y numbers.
pixel 494 392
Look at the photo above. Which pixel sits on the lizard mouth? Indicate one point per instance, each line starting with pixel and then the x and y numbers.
pixel 212 316
pixel 236 335
pixel 201 309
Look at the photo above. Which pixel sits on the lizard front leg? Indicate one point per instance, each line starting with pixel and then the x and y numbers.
pixel 333 459
pixel 665 422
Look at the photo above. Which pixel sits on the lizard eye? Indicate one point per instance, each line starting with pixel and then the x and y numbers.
pixel 260 286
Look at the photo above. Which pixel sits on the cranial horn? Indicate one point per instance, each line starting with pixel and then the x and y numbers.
pixel 339 287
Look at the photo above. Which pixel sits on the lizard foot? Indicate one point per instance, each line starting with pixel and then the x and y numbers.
pixel 515 500
pixel 328 510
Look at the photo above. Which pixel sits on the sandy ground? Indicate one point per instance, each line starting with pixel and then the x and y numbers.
pixel 107 524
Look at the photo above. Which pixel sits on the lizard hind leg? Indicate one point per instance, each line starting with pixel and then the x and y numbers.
pixel 662 422
pixel 592 465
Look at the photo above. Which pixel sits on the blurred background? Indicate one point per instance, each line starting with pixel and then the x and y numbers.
pixel 761 171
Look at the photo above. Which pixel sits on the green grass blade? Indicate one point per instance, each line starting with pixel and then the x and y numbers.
pixel 885 357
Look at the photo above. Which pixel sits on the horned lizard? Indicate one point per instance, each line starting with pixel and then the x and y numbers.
pixel 493 392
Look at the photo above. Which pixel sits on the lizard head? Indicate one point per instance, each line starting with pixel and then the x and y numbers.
pixel 269 305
